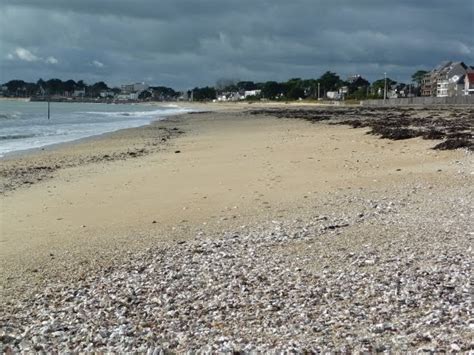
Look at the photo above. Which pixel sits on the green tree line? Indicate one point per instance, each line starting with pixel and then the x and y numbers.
pixel 54 87
pixel 293 89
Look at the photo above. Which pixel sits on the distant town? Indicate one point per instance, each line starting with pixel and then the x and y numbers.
pixel 446 80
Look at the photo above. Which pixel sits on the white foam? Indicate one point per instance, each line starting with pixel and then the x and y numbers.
pixel 168 110
pixel 68 124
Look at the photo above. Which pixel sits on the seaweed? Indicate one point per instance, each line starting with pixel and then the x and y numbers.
pixel 451 144
pixel 433 134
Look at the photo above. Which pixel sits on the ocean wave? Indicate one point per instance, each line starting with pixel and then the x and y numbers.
pixel 162 111
pixel 16 136
pixel 9 115
pixel 171 106
pixel 30 129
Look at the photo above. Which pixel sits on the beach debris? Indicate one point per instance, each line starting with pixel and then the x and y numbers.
pixel 455 123
pixel 397 278
pixel 455 144
pixel 16 175
pixel 280 286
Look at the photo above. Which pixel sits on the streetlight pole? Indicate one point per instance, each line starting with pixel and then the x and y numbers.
pixel 318 91
pixel 385 88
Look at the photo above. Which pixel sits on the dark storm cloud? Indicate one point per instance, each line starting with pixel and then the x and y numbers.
pixel 195 42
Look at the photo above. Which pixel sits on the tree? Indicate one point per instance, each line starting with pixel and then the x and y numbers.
pixel 164 93
pixel 116 91
pixel 292 89
pixel 418 76
pixel 95 89
pixel 31 89
pixel 271 90
pixel 81 85
pixel 225 84
pixel 204 94
pixel 144 95
pixel 21 88
pixel 69 85
pixel 54 87
pixel 295 93
pixel 15 86
pixel 358 84
pixel 310 87
pixel 359 94
pixel 246 85
pixel 330 81
pixel 379 85
pixel 41 83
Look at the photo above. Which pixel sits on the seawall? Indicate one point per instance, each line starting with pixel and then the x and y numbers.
pixel 422 101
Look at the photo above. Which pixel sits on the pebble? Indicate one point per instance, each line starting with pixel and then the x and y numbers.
pixel 390 280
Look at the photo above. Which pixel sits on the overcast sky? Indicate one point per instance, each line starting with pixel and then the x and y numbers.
pixel 186 43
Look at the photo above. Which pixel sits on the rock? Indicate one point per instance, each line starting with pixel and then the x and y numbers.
pixel 385 284
pixel 455 347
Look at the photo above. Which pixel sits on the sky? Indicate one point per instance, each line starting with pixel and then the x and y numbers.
pixel 188 43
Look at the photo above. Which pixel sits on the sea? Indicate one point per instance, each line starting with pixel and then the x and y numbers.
pixel 25 125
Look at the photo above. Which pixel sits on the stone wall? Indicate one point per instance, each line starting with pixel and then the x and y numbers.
pixel 423 101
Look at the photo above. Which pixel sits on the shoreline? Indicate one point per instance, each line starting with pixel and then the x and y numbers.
pixel 269 108
pixel 58 146
pixel 95 136
pixel 309 206
pixel 195 107
pixel 100 140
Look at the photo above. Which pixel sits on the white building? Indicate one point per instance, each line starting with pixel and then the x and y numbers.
pixel 79 92
pixel 137 87
pixel 126 88
pixel 126 97
pixel 333 95
pixel 442 88
pixel 107 93
pixel 250 93
pixel 344 90
pixel 456 85
pixel 230 96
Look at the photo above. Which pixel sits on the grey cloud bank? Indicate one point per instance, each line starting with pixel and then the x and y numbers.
pixel 188 43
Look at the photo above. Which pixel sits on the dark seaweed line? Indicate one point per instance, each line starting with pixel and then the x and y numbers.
pixel 403 123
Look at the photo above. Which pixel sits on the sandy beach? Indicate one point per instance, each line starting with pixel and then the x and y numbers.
pixel 348 211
